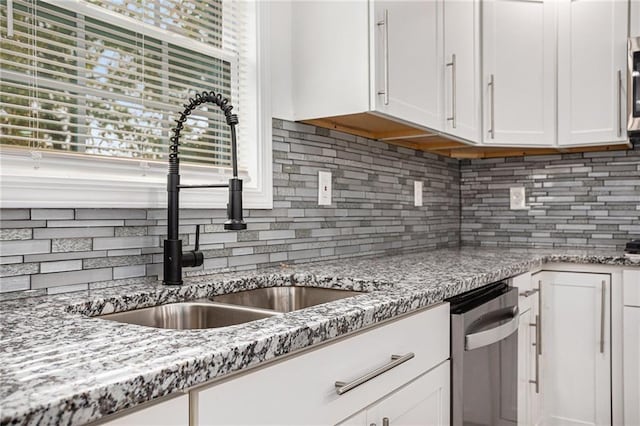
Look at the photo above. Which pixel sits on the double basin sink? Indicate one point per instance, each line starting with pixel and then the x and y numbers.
pixel 230 309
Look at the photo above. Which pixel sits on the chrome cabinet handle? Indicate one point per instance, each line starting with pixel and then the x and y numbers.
pixel 528 293
pixel 385 23
pixel 385 421
pixel 492 123
pixel 539 319
pixel 603 307
pixel 452 64
pixel 619 103
pixel 537 344
pixel 396 360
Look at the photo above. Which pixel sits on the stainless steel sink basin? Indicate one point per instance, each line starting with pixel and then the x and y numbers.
pixel 285 299
pixel 190 315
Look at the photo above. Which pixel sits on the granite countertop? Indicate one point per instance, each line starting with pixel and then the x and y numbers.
pixel 59 366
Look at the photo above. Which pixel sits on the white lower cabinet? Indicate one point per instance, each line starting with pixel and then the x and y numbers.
pixel 576 348
pixel 524 364
pixel 631 365
pixel 425 401
pixel 174 412
pixel 631 347
pixel 301 390
pixel 529 365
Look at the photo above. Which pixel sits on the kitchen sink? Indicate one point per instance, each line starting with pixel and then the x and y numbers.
pixel 286 298
pixel 230 309
pixel 190 315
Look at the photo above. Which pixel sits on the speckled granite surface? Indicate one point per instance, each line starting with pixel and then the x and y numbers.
pixel 58 366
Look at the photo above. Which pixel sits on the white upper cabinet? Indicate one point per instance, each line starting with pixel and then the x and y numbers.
pixel 329 58
pixel 380 57
pixel 407 51
pixel 518 75
pixel 591 71
pixel 462 104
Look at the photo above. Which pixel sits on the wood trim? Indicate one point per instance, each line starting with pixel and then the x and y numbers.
pixel 372 126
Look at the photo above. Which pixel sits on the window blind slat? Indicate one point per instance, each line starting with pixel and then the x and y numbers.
pixel 77 83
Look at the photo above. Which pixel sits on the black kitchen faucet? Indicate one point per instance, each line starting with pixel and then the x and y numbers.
pixel 174 259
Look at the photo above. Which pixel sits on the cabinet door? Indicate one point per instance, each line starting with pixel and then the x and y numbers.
pixel 524 371
pixel 591 71
pixel 576 347
pixel 359 419
pixel 536 365
pixel 462 69
pixel 424 401
pixel 407 51
pixel 519 72
pixel 174 412
pixel 631 365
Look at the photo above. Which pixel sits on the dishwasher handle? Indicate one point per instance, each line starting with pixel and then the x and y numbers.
pixel 495 334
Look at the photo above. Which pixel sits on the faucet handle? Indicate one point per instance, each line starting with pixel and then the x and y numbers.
pixel 195 256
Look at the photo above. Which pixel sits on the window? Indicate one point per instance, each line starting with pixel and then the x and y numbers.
pixel 91 88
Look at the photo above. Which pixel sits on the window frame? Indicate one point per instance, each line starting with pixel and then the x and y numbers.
pixel 49 179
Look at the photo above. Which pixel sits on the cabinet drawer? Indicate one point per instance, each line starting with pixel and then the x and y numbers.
pixel 301 389
pixel 174 412
pixel 631 288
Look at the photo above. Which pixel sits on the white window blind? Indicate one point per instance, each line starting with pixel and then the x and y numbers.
pixel 108 77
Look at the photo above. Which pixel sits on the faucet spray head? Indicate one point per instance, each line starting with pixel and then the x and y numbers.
pixel 235 222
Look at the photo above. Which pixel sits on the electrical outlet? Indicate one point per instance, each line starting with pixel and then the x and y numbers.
pixel 417 193
pixel 517 198
pixel 324 188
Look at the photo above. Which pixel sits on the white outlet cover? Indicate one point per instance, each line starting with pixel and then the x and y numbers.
pixel 324 188
pixel 417 193
pixel 517 198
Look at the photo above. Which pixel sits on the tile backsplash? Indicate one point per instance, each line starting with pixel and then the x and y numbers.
pixel 56 250
pixel 589 200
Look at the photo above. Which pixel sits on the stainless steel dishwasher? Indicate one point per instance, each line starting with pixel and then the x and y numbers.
pixel 484 356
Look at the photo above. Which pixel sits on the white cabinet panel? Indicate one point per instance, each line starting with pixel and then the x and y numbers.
pixel 359 419
pixel 407 52
pixel 631 288
pixel 524 370
pixel 576 347
pixel 519 40
pixel 174 412
pixel 425 401
pixel 330 58
pixel 536 361
pixel 631 366
pixel 462 106
pixel 591 71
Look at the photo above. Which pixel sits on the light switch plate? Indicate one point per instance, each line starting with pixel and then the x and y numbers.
pixel 417 193
pixel 517 198
pixel 324 188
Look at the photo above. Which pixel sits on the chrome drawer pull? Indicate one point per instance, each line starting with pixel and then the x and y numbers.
pixel 537 380
pixel 452 64
pixel 619 103
pixel 603 308
pixel 385 23
pixel 528 293
pixel 396 360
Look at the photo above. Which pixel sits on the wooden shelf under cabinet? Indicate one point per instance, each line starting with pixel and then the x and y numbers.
pixel 373 126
